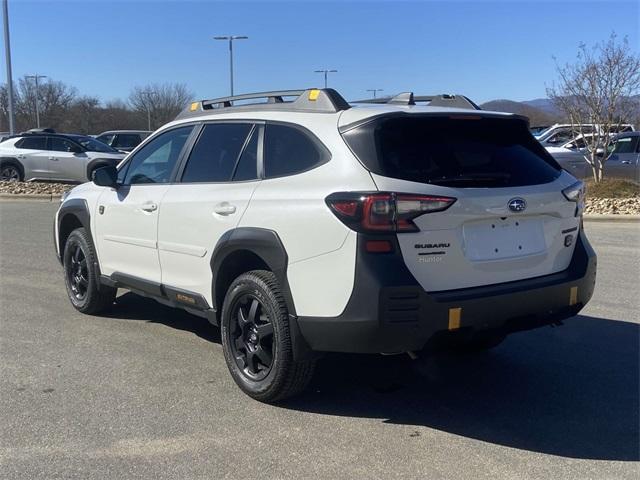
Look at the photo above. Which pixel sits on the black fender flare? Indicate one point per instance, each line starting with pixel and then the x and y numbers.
pixel 266 245
pixel 262 242
pixel 100 162
pixel 78 208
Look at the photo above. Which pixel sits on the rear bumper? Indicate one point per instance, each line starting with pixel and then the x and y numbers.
pixel 390 312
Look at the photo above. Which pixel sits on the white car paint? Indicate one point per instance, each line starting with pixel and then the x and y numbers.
pixel 172 244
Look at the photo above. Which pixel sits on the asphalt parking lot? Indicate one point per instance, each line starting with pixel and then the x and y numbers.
pixel 145 393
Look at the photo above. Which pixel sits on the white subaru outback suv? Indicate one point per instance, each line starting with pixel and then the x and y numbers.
pixel 310 225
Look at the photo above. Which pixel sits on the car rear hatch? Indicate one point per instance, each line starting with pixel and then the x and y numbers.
pixel 475 199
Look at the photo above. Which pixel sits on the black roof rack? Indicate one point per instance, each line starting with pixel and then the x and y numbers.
pixel 322 100
pixel 440 100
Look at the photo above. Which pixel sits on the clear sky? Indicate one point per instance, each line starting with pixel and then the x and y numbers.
pixel 484 49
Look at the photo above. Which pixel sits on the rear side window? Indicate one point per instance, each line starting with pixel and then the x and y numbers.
pixel 289 150
pixel 214 157
pixel 33 143
pixel 450 151
pixel 127 140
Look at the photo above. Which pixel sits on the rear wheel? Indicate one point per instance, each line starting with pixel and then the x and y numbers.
pixel 11 172
pixel 82 277
pixel 256 339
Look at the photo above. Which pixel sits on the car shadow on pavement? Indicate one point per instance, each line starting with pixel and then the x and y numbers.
pixel 571 391
pixel 130 306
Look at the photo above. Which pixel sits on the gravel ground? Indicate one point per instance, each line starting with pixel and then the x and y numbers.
pixel 613 206
pixel 594 205
pixel 31 188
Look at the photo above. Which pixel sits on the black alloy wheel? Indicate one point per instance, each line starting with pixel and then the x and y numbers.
pixel 251 339
pixel 77 273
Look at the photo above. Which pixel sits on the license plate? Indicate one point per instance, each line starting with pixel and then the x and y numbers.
pixel 499 238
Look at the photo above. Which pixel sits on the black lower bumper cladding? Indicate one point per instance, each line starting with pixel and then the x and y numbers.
pixel 390 312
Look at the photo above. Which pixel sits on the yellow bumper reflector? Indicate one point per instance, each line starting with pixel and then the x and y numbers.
pixel 313 95
pixel 573 296
pixel 454 318
pixel 194 106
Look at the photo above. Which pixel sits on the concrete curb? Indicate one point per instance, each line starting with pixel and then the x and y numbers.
pixel 29 197
pixel 609 217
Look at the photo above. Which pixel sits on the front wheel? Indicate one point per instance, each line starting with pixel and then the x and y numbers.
pixel 10 172
pixel 256 339
pixel 82 277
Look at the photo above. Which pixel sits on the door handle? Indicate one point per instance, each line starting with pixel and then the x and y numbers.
pixel 53 158
pixel 626 162
pixel 224 208
pixel 149 207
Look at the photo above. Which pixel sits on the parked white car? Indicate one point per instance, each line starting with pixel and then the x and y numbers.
pixel 53 156
pixel 303 224
pixel 561 133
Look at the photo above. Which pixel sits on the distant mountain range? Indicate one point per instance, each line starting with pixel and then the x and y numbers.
pixel 541 111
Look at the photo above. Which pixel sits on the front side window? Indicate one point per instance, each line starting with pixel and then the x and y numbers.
pixel 215 154
pixel 92 144
pixel 58 144
pixel 288 150
pixel 154 162
pixel 33 143
pixel 626 145
pixel 106 139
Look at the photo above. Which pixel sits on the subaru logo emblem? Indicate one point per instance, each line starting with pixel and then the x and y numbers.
pixel 517 204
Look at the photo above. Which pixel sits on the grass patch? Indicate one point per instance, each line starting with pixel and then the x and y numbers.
pixel 612 188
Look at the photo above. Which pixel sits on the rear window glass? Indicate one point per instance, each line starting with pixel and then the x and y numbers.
pixel 457 152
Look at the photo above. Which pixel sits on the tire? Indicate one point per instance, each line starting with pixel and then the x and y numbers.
pixel 81 275
pixel 11 171
pixel 256 339
pixel 483 342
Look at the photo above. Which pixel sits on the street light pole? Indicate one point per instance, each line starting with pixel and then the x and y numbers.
pixel 231 38
pixel 374 90
pixel 36 77
pixel 7 52
pixel 325 72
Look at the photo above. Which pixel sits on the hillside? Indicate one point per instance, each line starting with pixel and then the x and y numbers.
pixel 540 111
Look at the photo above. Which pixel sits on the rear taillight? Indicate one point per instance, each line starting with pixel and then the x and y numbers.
pixel 384 211
pixel 576 193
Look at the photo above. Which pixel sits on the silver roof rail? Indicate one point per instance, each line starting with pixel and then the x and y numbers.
pixel 322 100
pixel 441 100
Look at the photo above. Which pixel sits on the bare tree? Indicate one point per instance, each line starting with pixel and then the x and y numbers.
pixel 159 104
pixel 54 100
pixel 598 93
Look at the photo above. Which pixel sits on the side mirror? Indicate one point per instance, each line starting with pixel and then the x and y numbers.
pixel 105 176
pixel 74 149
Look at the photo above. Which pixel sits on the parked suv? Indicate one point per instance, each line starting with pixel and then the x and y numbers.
pixel 51 156
pixel 123 140
pixel 309 225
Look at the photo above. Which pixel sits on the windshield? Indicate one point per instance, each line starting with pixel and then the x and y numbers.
pixel 93 145
pixel 459 151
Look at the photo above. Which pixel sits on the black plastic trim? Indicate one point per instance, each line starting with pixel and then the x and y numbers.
pixel 262 242
pixel 78 208
pixel 389 311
